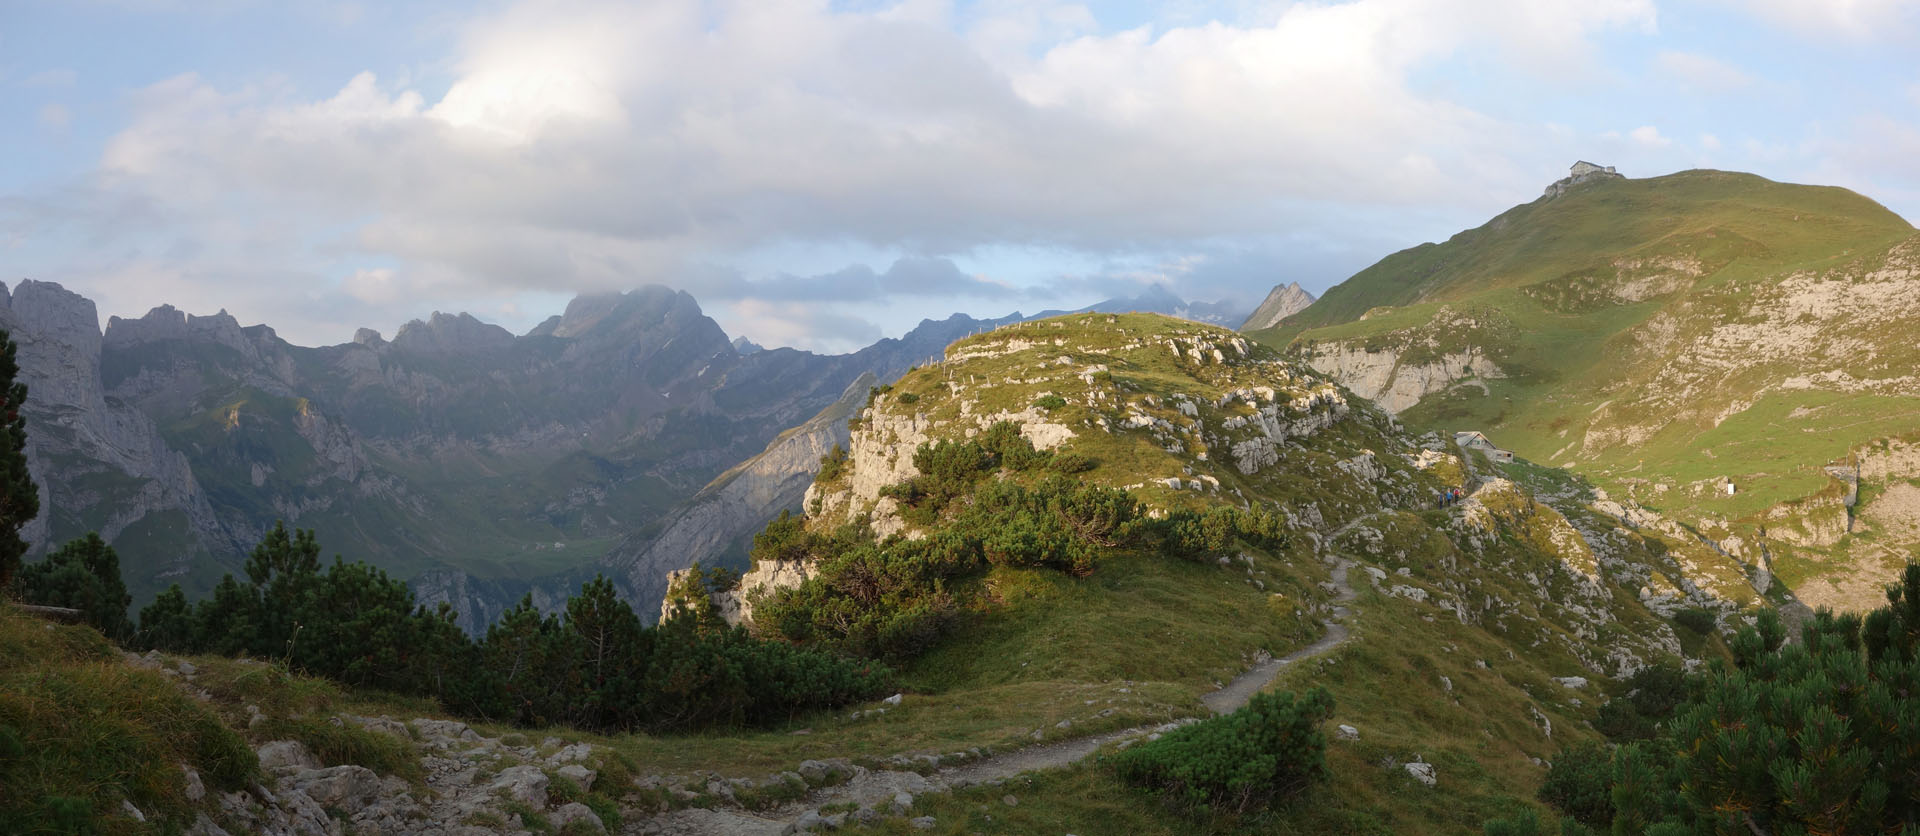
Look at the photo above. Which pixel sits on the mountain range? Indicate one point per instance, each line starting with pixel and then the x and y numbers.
pixel 481 464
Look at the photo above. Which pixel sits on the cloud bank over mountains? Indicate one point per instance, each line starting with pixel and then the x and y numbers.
pixel 777 159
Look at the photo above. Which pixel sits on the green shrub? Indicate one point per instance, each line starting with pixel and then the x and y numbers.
pixel 908 397
pixel 1068 463
pixel 1653 692
pixel 1239 762
pixel 1822 736
pixel 1696 619
pixel 1580 784
pixel 833 465
pixel 1050 402
pixel 1524 823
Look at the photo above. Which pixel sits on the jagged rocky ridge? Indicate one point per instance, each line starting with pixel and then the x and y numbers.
pixel 482 464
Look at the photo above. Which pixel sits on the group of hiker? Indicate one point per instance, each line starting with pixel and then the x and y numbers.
pixel 1451 496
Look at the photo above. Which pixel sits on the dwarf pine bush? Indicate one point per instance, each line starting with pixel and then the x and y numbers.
pixel 1240 762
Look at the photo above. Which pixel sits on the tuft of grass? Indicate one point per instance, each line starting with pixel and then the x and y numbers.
pixel 81 731
pixel 335 743
pixel 528 817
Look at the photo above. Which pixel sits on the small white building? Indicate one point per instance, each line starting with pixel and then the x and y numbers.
pixel 1477 440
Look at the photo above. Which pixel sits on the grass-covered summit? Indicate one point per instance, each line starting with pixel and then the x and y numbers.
pixel 1665 337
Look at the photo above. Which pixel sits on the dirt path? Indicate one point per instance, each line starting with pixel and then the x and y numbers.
pixel 1236 693
pixel 870 788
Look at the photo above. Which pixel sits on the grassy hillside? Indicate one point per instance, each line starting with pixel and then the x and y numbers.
pixel 1741 226
pixel 1663 337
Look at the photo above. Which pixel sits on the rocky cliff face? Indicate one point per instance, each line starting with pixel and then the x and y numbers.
pixel 1281 302
pixel 101 465
pixel 1384 378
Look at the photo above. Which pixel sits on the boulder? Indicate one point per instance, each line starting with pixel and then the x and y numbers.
pixel 287 755
pixel 575 811
pixel 525 784
pixel 578 774
pixel 574 753
pixel 347 787
pixel 1423 772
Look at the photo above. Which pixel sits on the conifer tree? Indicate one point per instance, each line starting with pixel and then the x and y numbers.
pixel 167 623
pixel 85 575
pixel 19 501
pixel 606 634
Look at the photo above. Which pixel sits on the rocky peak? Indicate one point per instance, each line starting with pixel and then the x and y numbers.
pixel 1281 302
pixel 744 346
pixel 368 337
pixel 58 332
pixel 168 323
pixel 449 334
pixel 1582 172
pixel 642 307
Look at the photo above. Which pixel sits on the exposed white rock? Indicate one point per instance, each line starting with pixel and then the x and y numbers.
pixel 1381 377
pixel 1423 772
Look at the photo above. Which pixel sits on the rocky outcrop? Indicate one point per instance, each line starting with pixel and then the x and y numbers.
pixel 1382 377
pixel 1581 172
pixel 1281 302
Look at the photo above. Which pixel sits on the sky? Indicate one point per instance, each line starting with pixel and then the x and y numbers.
pixel 823 174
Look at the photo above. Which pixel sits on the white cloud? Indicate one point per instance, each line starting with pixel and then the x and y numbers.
pixel 1700 72
pixel 1649 135
pixel 377 285
pixel 590 145
pixel 1710 142
pixel 1853 19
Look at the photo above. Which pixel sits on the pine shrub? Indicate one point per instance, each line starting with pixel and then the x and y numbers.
pixel 1240 762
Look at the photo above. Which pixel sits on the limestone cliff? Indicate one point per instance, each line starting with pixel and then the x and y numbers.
pixel 1384 378
pixel 100 464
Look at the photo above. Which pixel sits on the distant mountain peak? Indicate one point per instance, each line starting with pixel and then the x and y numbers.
pixel 1281 302
pixel 448 333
